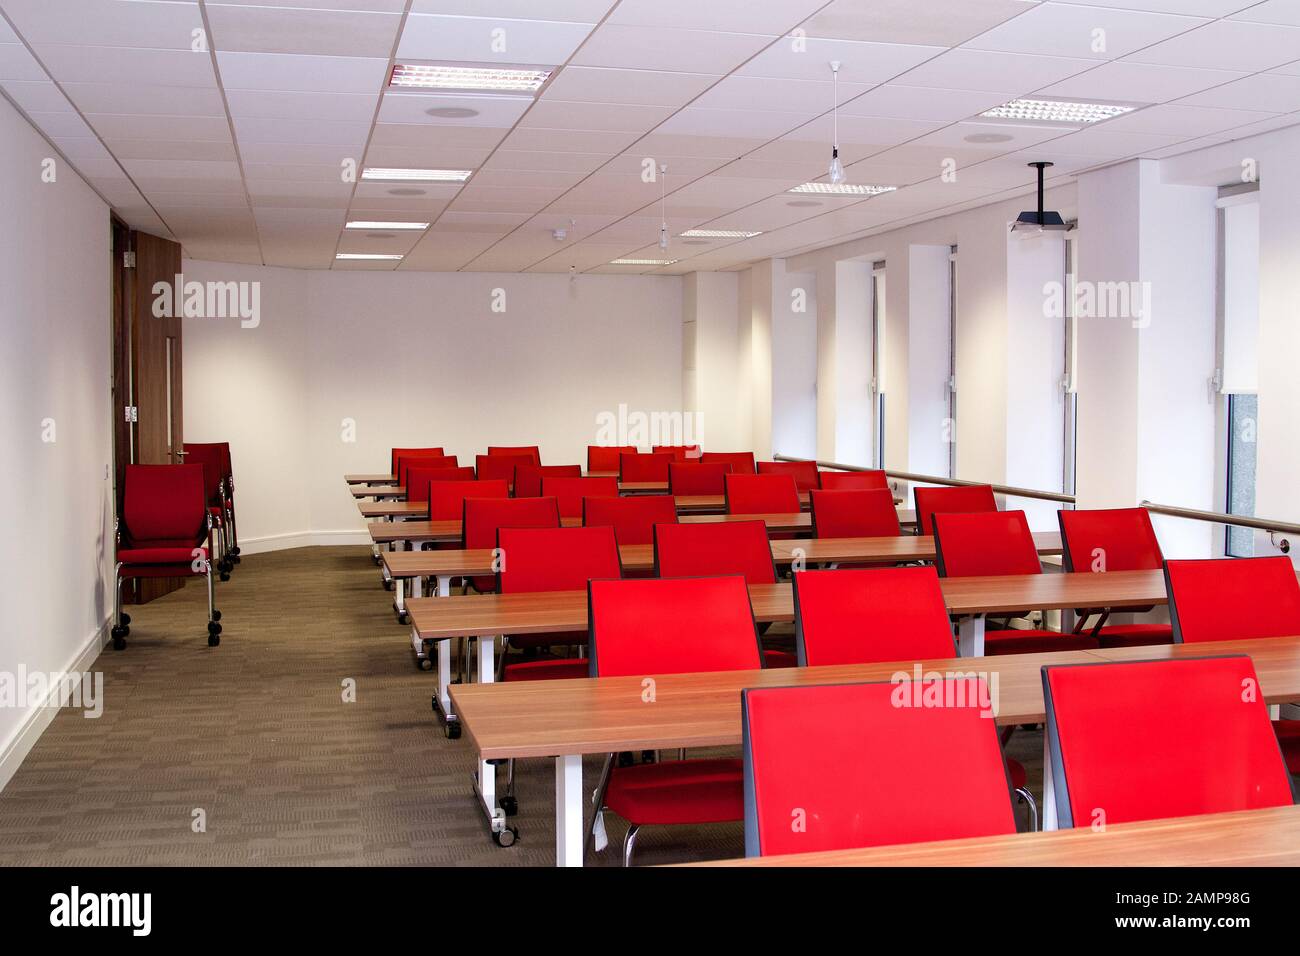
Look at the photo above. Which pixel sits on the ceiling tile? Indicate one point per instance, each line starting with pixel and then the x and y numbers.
pixel 749 124
pixel 921 103
pixel 143 23
pixel 548 114
pixel 1227 45
pixel 277 104
pixel 301 132
pixel 249 29
pixel 487 40
pixel 860 61
pixel 769 17
pixel 17 64
pixel 1263 91
pixel 1099 33
pixel 939 22
pixel 302 74
pixel 126 66
pixel 664 48
pixel 578 11
pixel 496 111
pixel 632 87
pixel 1285 12
pixel 567 140
pixel 989 71
pixel 1138 82
pixel 1184 121
pixel 36 96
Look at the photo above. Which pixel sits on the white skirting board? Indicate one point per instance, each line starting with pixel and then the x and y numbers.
pixel 302 539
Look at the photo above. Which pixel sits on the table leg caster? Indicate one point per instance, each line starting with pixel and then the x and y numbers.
pixel 506 837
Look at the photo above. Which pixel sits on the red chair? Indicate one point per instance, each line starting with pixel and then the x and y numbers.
pixel 804 473
pixel 693 478
pixel 419 477
pixel 499 467
pixel 406 462
pixel 1237 599
pixel 228 471
pixel 483 517
pixel 878 615
pixel 725 547
pixel 570 492
pixel 1113 539
pixel 981 544
pixel 633 518
pixel 528 478
pixel 638 467
pixel 965 499
pixel 661 626
pixel 679 452
pixel 211 457
pixel 761 494
pixel 531 452
pixel 1141 740
pixel 854 514
pixel 741 462
pixel 418 452
pixel 604 458
pixel 447 498
pixel 858 770
pixel 164 531
pixel 852 480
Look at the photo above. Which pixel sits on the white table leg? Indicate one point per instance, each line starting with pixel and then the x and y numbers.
pixel 970 636
pixel 486 660
pixel 399 595
pixel 444 678
pixel 417 587
pixel 568 810
pixel 444 585
pixel 1049 788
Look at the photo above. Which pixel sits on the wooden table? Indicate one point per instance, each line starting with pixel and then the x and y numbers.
pixel 570 718
pixel 1268 837
pixel 370 479
pixel 377 491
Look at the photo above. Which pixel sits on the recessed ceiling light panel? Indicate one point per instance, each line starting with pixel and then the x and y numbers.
pixel 1057 111
pixel 369 224
pixel 843 189
pixel 474 78
pixel 642 262
pixel 364 256
pixel 391 175
pixel 718 234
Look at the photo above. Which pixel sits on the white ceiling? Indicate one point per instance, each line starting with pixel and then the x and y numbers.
pixel 237 148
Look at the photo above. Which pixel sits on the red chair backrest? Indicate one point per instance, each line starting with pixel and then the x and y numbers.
pixel 761 494
pixel 483 517
pixel 804 473
pixel 955 500
pixel 210 457
pixel 846 480
pixel 555 559
pixel 695 478
pixel 858 770
pixel 1137 740
pixel 447 498
pixel 494 467
pixel 1227 599
pixel 639 467
pixel 985 543
pixel 531 452
pixel 406 462
pixel 1109 539
pixel 605 457
pixel 713 548
pixel 642 626
pixel 164 503
pixel 854 513
pixel 418 452
pixel 528 478
pixel 569 492
pixel 227 467
pixel 679 452
pixel 741 462
pixel 865 616
pixel 420 476
pixel 633 518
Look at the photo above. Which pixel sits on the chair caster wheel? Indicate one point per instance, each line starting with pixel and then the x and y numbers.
pixel 453 729
pixel 214 628
pixel 403 618
pixel 424 663
pixel 214 640
pixel 119 637
pixel 224 576
pixel 388 585
pixel 216 615
pixel 126 619
pixel 509 805
pixel 236 559
pixel 236 552
pixel 506 837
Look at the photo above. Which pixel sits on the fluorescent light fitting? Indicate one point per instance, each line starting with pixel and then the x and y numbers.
pixel 416 175
pixel 482 79
pixel 718 234
pixel 1057 111
pixel 367 224
pixel 365 255
pixel 642 262
pixel 843 189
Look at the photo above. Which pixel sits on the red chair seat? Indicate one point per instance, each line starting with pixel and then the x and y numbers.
pixel 1288 735
pixel 1014 641
pixel 1135 635
pixel 523 641
pixel 1016 771
pixel 160 552
pixel 772 658
pixel 549 669
pixel 678 792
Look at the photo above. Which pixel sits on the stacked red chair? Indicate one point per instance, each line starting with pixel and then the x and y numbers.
pixel 212 458
pixel 165 530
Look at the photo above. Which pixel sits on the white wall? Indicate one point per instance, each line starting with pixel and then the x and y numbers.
pixel 56 522
pixel 413 359
pixel 928 356
pixel 794 363
pixel 710 372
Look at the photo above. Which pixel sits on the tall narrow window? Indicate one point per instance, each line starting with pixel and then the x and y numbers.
pixel 951 428
pixel 878 358
pixel 1238 341
pixel 1069 383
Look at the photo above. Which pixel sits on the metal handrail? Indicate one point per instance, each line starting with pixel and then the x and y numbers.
pixel 936 480
pixel 1221 517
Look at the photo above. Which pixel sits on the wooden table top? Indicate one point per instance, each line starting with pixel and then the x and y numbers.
pixel 608 715
pixel 1267 837
pixel 443 532
pixel 393 509
pixel 556 611
pixel 370 479
pixel 388 491
pixel 640 557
